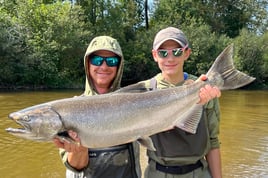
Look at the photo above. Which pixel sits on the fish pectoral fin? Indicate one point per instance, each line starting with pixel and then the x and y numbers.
pixel 191 120
pixel 64 137
pixel 147 142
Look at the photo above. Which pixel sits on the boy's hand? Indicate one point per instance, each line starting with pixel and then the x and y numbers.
pixel 208 92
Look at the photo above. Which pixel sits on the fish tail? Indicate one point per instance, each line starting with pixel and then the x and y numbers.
pixel 223 73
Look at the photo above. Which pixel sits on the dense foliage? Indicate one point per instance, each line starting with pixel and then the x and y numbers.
pixel 42 43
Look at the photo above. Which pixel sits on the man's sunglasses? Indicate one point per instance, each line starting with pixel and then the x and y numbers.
pixel 110 61
pixel 177 52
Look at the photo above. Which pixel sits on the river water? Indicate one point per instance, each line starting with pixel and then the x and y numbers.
pixel 244 136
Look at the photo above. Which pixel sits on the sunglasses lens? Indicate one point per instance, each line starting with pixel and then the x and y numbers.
pixel 96 60
pixel 163 53
pixel 112 61
pixel 177 52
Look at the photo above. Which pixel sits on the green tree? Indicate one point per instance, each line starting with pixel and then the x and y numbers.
pixel 12 49
pixel 225 17
pixel 53 42
pixel 265 57
pixel 229 17
pixel 42 43
pixel 251 56
pixel 139 61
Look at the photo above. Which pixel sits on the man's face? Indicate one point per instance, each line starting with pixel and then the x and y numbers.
pixel 103 75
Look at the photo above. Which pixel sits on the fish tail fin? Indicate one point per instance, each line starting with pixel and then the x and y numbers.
pixel 223 67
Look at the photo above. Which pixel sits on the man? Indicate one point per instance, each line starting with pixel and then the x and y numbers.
pixel 103 63
pixel 180 154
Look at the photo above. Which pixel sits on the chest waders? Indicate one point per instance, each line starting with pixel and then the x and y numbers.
pixel 174 145
pixel 117 161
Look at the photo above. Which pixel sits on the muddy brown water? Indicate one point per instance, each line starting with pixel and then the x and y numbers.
pixel 244 136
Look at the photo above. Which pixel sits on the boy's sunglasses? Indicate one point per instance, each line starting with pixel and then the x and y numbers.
pixel 177 52
pixel 110 61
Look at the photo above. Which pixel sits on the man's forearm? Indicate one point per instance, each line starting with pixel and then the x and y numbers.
pixel 78 160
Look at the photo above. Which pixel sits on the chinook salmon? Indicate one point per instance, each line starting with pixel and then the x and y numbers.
pixel 125 116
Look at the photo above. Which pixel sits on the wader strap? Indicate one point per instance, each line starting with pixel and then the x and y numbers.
pixel 178 169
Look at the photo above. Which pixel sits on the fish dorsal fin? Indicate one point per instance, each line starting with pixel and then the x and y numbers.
pixel 147 142
pixel 134 88
pixel 190 125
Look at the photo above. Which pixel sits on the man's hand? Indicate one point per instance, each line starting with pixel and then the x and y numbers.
pixel 74 147
pixel 208 92
pixel 77 154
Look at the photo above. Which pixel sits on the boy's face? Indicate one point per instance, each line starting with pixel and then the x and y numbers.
pixel 170 64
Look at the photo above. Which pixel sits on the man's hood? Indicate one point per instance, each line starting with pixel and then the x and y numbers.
pixel 103 43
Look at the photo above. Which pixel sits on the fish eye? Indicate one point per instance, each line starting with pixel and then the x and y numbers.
pixel 26 118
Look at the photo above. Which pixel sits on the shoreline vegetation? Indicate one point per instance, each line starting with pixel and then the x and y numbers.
pixel 42 43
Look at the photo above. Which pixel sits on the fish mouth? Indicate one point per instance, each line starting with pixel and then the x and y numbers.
pixel 18 131
pixel 23 133
pixel 23 129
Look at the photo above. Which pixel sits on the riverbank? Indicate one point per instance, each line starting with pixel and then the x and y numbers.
pixel 252 86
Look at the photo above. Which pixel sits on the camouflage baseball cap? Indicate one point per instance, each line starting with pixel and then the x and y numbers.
pixel 169 33
pixel 104 43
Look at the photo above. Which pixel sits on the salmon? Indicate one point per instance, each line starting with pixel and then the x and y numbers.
pixel 126 116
